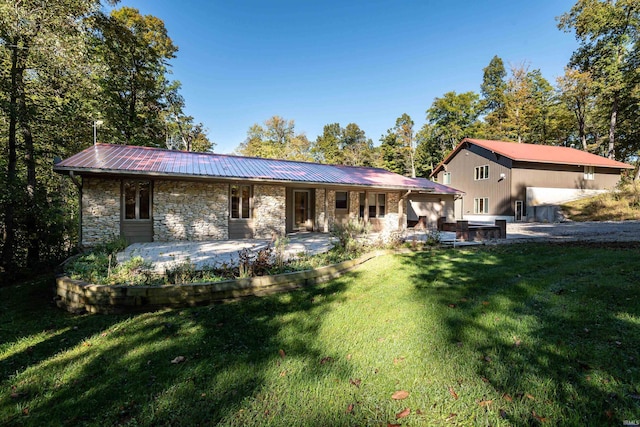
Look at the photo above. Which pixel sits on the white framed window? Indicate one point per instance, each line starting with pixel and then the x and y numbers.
pixel 481 205
pixel 481 172
pixel 446 178
pixel 377 205
pixel 342 200
pixel 589 173
pixel 240 201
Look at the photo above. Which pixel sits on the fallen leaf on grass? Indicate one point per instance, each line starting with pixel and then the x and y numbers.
pixel 451 416
pixel 178 359
pixel 529 396
pixel 397 360
pixel 484 403
pixel 355 382
pixel 485 302
pixel 453 393
pixel 349 409
pixel 452 306
pixel 283 373
pixel 538 417
pixel 400 395
pixel 487 359
pixel 282 354
pixel 507 397
pixel 327 359
pixel 349 356
pixel 403 414
pixel 25 411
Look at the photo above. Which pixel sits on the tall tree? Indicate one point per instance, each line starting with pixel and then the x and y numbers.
pixel 276 140
pixel 493 90
pixel 356 147
pixel 404 131
pixel 41 46
pixel 391 153
pixel 328 146
pixel 576 90
pixel 133 52
pixel 454 116
pixel 608 32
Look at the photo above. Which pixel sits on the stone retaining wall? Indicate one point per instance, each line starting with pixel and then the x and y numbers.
pixel 79 297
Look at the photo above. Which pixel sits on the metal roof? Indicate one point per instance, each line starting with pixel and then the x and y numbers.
pixel 537 153
pixel 127 160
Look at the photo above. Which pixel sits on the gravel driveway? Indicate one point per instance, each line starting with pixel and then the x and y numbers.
pixel 601 231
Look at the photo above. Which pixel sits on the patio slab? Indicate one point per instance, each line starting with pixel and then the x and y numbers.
pixel 218 253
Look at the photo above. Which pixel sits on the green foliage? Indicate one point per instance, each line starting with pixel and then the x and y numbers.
pixel 350 235
pixel 276 140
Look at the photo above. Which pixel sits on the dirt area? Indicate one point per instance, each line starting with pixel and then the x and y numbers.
pixel 601 231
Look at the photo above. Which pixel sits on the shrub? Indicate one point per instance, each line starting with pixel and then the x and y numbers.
pixel 348 235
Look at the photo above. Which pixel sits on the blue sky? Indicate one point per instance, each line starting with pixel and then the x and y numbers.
pixel 365 62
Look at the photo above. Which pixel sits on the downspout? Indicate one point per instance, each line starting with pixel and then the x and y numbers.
pixel 79 185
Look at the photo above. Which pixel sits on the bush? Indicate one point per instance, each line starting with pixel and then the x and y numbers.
pixel 348 235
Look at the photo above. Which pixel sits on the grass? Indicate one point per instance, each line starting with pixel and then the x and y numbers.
pixel 507 335
pixel 621 205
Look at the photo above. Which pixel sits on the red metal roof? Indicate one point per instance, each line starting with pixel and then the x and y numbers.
pixel 127 159
pixel 538 154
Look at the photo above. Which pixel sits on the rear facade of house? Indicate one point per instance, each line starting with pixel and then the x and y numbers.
pixel 146 194
pixel 519 182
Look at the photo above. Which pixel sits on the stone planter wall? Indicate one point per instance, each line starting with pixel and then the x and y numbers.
pixel 79 297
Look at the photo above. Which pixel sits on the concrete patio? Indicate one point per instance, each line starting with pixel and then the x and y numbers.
pixel 218 253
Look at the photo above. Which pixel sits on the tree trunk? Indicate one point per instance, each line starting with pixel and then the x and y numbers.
pixel 31 212
pixel 9 234
pixel 611 152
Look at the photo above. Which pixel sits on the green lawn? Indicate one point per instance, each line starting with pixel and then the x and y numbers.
pixel 506 335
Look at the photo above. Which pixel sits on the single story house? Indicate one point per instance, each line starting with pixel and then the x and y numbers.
pixel 518 182
pixel 149 194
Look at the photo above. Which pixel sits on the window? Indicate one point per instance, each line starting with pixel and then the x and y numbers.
pixel 341 200
pixel 446 178
pixel 481 172
pixel 240 201
pixel 589 173
pixel 137 200
pixel 377 205
pixel 481 205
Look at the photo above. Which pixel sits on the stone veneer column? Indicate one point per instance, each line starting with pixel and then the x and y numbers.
pixel 269 210
pixel 185 210
pixel 354 205
pixel 321 214
pixel 331 208
pixel 392 218
pixel 100 210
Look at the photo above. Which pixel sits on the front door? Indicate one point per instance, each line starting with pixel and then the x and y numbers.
pixel 300 209
pixel 136 223
pixel 519 210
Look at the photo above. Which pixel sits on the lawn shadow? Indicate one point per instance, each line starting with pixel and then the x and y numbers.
pixel 550 319
pixel 118 369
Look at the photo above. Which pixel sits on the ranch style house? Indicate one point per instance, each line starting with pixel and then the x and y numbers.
pixel 149 194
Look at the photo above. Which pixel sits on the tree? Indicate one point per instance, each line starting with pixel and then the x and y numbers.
pixel 41 52
pixel 493 90
pixel 276 140
pixel 133 53
pixel 404 131
pixel 576 90
pixel 343 146
pixel 454 116
pixel 181 131
pixel 608 35
pixel 391 153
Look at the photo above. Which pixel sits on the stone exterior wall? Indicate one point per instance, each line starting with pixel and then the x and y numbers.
pixel 184 210
pixel 331 203
pixel 321 214
pixel 100 210
pixel 354 205
pixel 269 207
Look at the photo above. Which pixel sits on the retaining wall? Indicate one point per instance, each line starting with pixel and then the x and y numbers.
pixel 79 297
